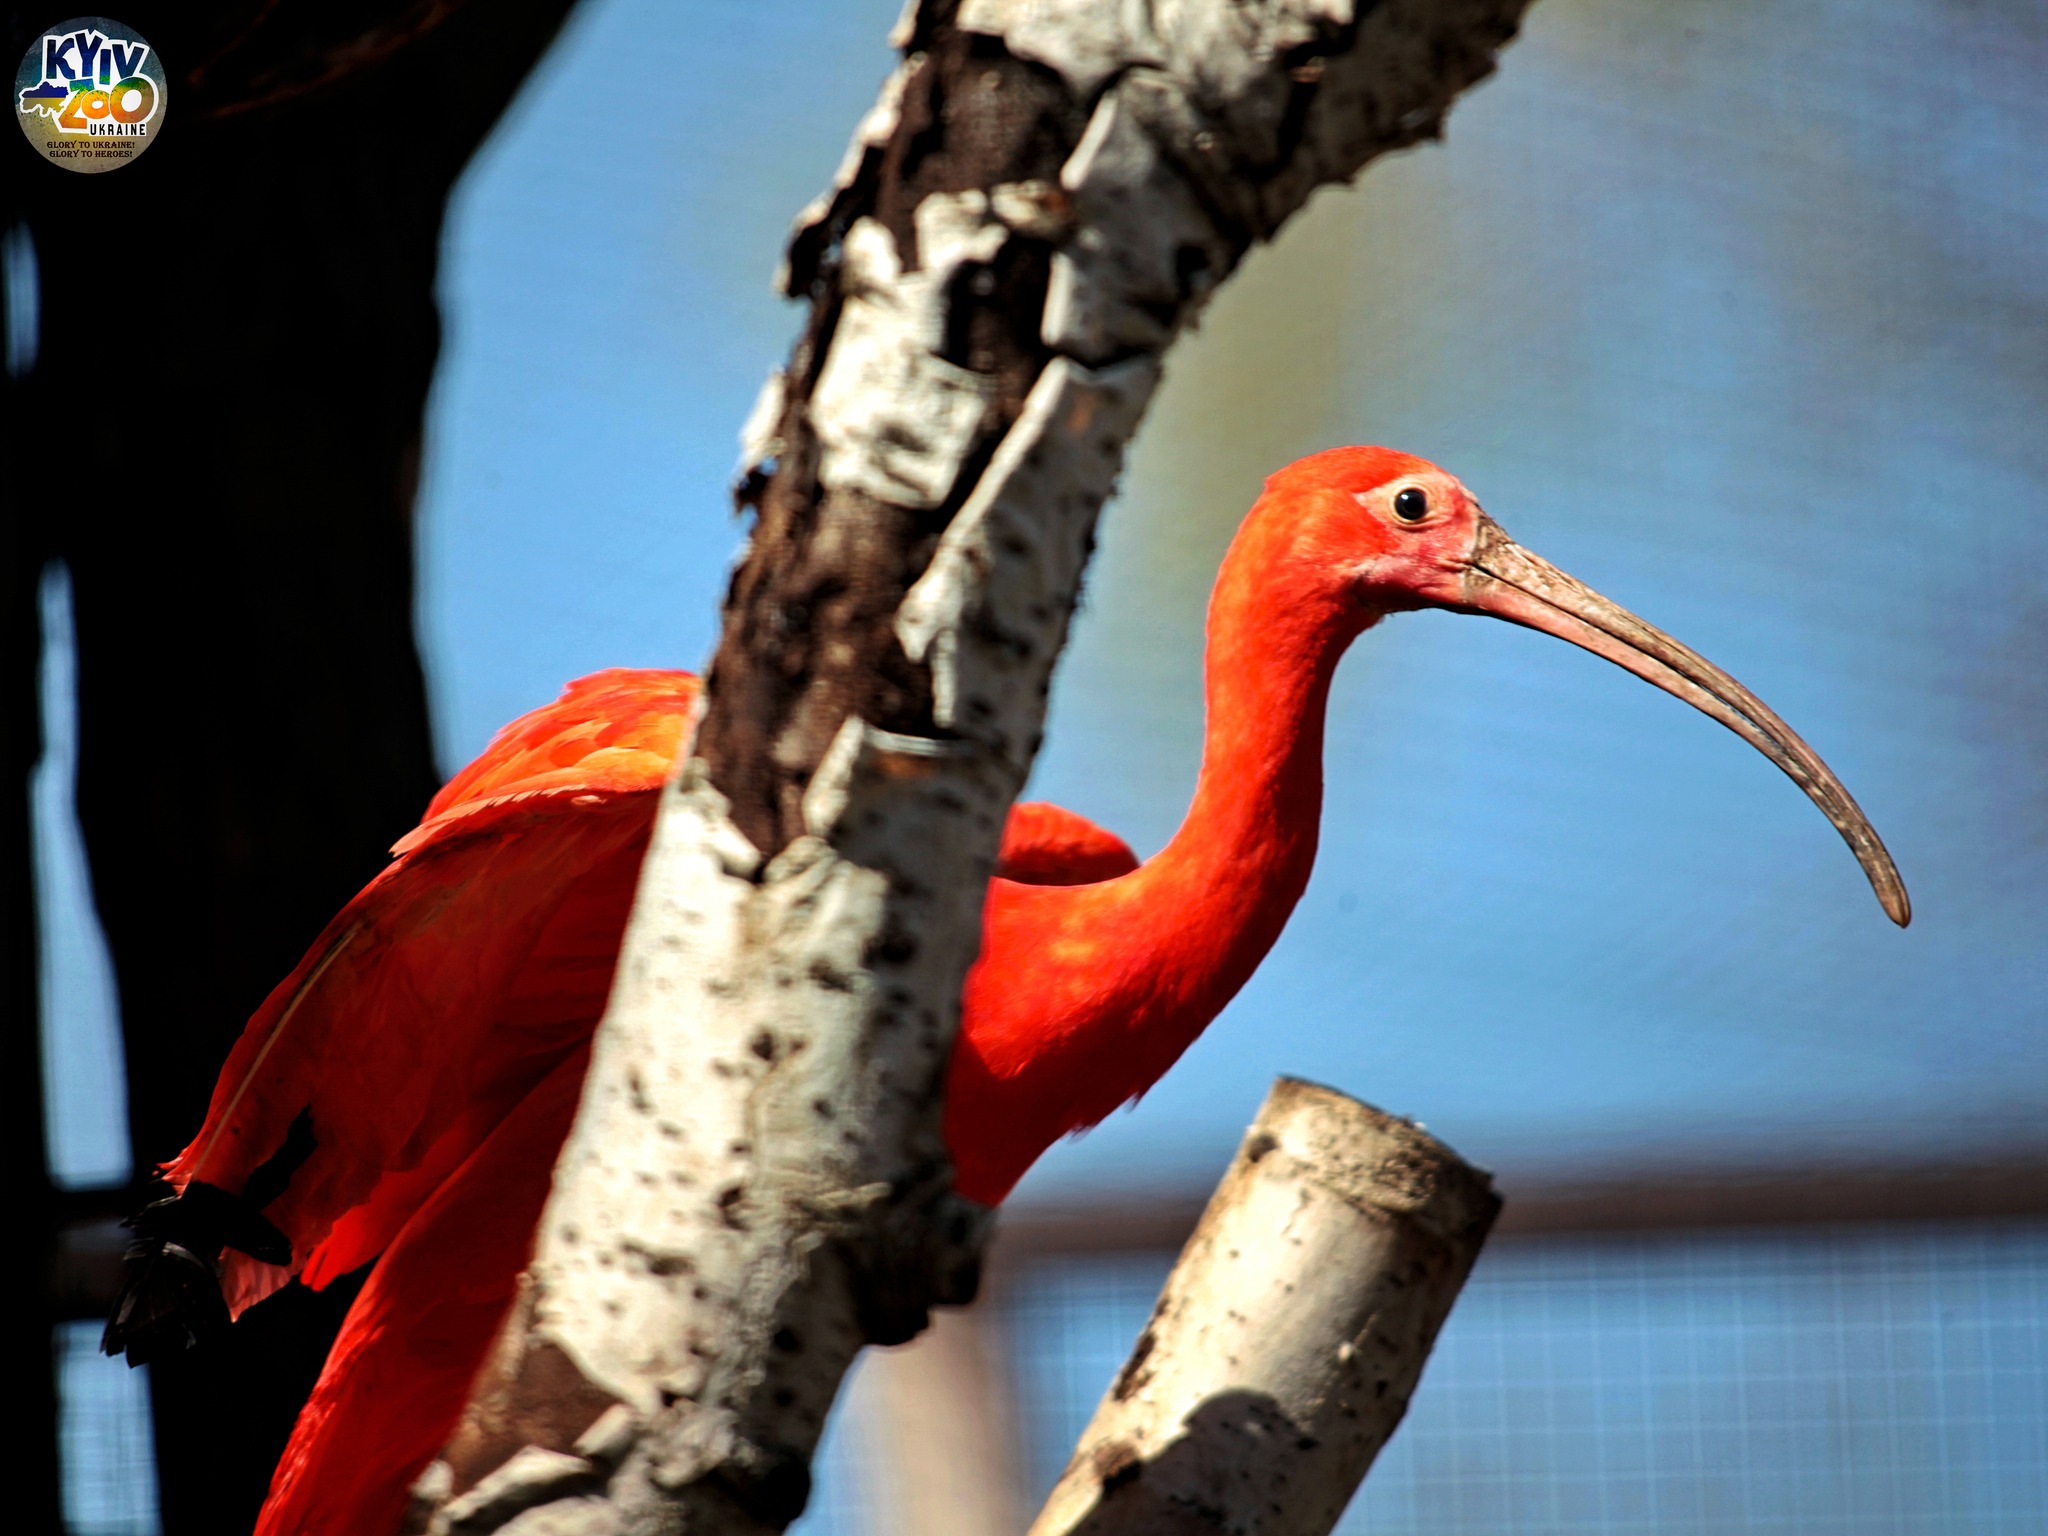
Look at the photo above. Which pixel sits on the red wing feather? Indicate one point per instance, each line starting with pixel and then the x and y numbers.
pixel 457 979
pixel 1050 845
pixel 619 731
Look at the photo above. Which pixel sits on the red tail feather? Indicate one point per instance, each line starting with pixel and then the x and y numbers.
pixel 397 1378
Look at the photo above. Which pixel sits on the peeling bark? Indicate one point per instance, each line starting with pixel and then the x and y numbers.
pixel 1042 198
pixel 1291 1334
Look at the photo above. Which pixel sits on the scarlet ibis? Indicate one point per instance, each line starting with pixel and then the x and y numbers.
pixel 435 1033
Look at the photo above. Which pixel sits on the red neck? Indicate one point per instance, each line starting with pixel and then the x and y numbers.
pixel 1205 910
pixel 1085 995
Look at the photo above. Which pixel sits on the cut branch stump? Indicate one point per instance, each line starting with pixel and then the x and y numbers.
pixel 1290 1336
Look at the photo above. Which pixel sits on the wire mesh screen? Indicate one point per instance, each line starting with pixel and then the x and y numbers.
pixel 1886 1382
pixel 844 1472
pixel 103 1439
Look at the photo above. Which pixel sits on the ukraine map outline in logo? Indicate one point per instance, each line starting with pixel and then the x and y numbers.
pixel 90 94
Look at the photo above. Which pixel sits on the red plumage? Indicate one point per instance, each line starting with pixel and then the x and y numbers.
pixel 397 1377
pixel 459 978
pixel 436 1032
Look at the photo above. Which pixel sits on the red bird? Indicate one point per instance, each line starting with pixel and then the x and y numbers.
pixel 435 1035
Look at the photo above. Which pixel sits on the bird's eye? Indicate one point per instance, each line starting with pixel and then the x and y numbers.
pixel 1411 505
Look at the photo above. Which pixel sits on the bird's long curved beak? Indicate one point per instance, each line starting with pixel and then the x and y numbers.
pixel 1504 581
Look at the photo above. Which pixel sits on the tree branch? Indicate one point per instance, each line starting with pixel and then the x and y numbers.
pixel 1042 198
pixel 1290 1335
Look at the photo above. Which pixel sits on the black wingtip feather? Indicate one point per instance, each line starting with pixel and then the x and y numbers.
pixel 170 1285
pixel 170 1301
pixel 170 1289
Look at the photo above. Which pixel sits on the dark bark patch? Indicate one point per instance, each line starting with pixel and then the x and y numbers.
pixel 809 629
pixel 1117 1463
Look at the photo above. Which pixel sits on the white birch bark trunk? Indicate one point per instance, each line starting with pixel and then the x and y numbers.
pixel 1042 198
pixel 1290 1336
